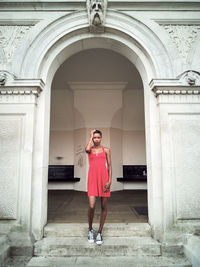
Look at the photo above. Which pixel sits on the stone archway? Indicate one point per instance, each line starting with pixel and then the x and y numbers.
pixel 67 36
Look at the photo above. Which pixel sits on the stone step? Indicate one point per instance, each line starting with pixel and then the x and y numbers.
pixel 16 261
pixel 20 244
pixel 116 261
pixel 4 248
pixel 171 249
pixel 110 229
pixel 112 246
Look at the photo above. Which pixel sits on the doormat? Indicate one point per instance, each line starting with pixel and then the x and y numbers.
pixel 142 210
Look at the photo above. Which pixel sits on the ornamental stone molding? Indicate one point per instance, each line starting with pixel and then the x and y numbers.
pixel 187 83
pixel 96 10
pixel 190 78
pixel 183 36
pixel 9 85
pixel 2 78
pixel 10 38
pixel 6 77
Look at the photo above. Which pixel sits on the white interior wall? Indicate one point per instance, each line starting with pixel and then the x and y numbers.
pixel 134 148
pixel 62 128
pixel 61 145
pixel 97 106
pixel 116 157
pixel 133 109
pixel 134 151
pixel 62 114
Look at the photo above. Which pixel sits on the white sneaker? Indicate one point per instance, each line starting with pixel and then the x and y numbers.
pixel 99 239
pixel 91 236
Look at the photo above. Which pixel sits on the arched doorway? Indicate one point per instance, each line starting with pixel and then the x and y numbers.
pixel 67 36
pixel 97 88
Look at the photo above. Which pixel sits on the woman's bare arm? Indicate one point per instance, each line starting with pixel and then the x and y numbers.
pixel 89 144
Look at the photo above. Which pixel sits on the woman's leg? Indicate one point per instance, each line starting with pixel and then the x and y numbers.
pixel 91 209
pixel 103 213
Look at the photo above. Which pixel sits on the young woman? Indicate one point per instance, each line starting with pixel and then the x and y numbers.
pixel 99 181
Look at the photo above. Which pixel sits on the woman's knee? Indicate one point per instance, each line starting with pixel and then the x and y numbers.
pixel 92 202
pixel 104 207
pixel 92 207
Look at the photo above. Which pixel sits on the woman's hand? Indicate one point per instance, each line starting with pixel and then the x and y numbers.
pixel 89 145
pixel 92 133
pixel 107 187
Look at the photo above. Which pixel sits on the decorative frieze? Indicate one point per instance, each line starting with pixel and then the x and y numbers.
pixel 10 38
pixel 20 91
pixel 175 91
pixel 183 36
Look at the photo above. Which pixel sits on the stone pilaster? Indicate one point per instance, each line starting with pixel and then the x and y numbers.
pixel 18 99
pixel 178 101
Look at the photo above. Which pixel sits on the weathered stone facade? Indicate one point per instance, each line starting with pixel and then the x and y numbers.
pixel 161 39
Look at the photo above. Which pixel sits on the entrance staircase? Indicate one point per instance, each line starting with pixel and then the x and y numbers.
pixel 125 245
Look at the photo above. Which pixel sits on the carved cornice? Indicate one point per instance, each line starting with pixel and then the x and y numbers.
pixel 10 86
pixel 20 91
pixel 188 83
pixel 174 89
pixel 68 5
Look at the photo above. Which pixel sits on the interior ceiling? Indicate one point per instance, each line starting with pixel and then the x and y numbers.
pixel 97 65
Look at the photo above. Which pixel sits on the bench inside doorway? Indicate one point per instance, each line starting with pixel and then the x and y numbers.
pixel 134 173
pixel 62 173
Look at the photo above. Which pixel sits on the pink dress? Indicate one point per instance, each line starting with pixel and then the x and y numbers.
pixel 97 174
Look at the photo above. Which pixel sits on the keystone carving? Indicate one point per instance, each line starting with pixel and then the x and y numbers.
pixel 96 14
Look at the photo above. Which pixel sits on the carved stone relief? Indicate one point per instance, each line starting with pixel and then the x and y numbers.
pixel 190 78
pixel 183 36
pixel 96 14
pixel 10 37
pixel 2 78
